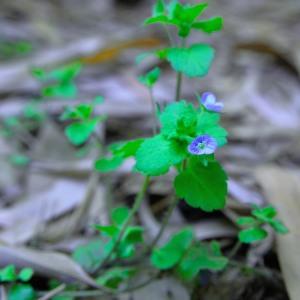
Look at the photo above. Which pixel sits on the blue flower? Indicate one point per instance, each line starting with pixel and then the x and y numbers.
pixel 209 101
pixel 203 144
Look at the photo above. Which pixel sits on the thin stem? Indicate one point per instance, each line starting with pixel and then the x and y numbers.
pixel 166 217
pixel 171 40
pixel 98 293
pixel 153 105
pixel 137 203
pixel 164 223
pixel 179 77
pixel 235 249
pixel 178 86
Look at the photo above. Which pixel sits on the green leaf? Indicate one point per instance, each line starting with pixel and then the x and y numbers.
pixel 66 73
pixel 133 235
pixel 265 214
pixel 8 274
pixel 278 226
pixel 120 215
pixel 170 254
pixel 126 149
pixel 194 61
pixel 202 187
pixel 114 277
pixel 11 122
pixel 38 73
pixel 201 257
pixel 25 274
pixel 219 133
pixel 21 291
pixel 179 119
pixel 32 111
pixel 252 235
pixel 160 20
pixel 98 100
pixel 210 25
pixel 90 256
pixel 156 155
pixel 158 8
pixel 61 90
pixel 105 165
pixel 79 112
pixel 188 13
pixel 150 78
pixel 19 159
pixel 246 221
pixel 182 16
pixel 109 230
pixel 79 132
pixel 208 124
pixel 120 152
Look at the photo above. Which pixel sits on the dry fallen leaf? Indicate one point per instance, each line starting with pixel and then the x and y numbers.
pixel 50 264
pixel 282 189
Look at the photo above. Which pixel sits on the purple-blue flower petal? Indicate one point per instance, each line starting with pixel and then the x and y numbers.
pixel 209 101
pixel 203 144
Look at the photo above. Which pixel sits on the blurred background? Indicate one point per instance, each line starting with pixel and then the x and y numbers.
pixel 46 199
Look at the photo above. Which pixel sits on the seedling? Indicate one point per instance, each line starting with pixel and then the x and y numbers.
pixel 255 224
pixel 17 283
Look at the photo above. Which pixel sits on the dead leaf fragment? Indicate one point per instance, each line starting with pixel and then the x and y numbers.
pixel 282 189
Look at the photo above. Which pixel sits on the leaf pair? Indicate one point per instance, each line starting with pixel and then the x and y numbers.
pixel 83 122
pixel 9 274
pixel 120 151
pixel 184 17
pixel 18 291
pixel 187 257
pixel 254 231
pixel 64 85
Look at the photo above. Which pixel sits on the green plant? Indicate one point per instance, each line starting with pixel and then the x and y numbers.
pixel 83 122
pixel 184 138
pixel 60 82
pixel 255 224
pixel 17 283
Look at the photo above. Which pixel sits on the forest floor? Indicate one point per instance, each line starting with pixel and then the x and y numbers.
pixel 48 197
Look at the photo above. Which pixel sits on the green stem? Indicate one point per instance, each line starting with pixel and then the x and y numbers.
pixel 137 203
pixel 178 86
pixel 179 77
pixel 153 105
pixel 169 35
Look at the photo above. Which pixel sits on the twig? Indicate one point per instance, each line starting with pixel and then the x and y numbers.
pixel 235 249
pixel 3 293
pixel 98 293
pixel 53 292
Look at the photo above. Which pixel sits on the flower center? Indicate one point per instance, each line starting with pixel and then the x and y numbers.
pixel 201 146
